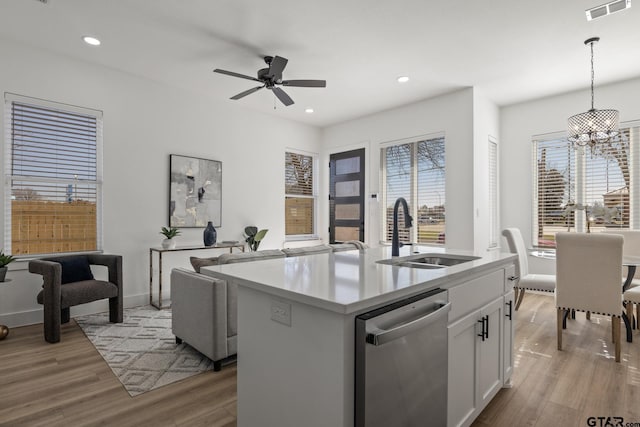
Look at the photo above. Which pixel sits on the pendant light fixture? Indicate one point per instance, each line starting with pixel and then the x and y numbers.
pixel 593 126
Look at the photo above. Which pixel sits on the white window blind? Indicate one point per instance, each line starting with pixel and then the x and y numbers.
pixel 53 187
pixel 493 193
pixel 415 171
pixel 300 194
pixel 554 189
pixel 579 189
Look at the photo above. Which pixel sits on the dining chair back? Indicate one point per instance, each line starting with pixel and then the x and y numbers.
pixel 631 246
pixel 526 281
pixel 589 278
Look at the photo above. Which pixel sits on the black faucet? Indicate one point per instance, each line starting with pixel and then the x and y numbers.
pixel 395 244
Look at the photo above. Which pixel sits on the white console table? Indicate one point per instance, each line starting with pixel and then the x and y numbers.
pixel 161 250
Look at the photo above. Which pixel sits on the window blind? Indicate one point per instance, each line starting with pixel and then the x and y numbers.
pixel 415 171
pixel 554 192
pixel 299 194
pixel 493 193
pixel 584 189
pixel 607 184
pixel 54 187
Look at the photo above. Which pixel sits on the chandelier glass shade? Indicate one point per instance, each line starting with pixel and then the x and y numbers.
pixel 593 126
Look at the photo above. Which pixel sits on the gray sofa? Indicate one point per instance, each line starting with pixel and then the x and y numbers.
pixel 204 309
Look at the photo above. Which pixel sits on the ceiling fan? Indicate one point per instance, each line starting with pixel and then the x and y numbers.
pixel 271 78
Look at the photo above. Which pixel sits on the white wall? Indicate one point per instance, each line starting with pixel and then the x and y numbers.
pixel 451 114
pixel 518 123
pixel 486 123
pixel 144 122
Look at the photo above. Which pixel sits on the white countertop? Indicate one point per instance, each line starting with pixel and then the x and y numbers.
pixel 350 281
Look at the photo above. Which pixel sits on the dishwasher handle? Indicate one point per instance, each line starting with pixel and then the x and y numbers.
pixel 384 336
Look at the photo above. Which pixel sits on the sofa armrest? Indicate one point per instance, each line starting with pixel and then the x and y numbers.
pixel 199 312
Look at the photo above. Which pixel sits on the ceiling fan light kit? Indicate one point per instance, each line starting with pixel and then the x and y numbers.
pixel 271 78
pixel 593 126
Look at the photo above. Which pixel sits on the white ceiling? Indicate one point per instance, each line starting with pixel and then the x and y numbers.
pixel 511 50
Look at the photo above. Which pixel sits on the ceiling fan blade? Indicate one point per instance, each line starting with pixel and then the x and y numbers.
pixel 277 66
pixel 282 96
pixel 305 83
pixel 232 74
pixel 246 92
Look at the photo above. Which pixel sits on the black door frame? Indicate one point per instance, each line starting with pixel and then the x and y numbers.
pixel 333 179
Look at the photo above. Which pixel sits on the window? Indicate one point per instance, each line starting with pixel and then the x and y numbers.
pixel 53 177
pixel 300 195
pixel 415 171
pixel 493 193
pixel 577 189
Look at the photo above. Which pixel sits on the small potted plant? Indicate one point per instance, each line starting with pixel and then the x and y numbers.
pixel 169 234
pixel 4 261
pixel 253 237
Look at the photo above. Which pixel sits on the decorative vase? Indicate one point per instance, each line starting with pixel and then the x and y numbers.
pixel 210 235
pixel 168 244
pixel 3 273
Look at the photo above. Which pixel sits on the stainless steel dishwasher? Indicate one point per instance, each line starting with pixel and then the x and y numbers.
pixel 401 363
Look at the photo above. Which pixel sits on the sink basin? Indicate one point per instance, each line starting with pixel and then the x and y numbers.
pixel 429 261
pixel 443 260
pixel 418 265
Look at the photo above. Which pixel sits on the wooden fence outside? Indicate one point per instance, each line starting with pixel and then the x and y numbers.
pixel 39 227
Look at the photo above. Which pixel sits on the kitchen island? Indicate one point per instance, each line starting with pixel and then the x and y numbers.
pixel 296 320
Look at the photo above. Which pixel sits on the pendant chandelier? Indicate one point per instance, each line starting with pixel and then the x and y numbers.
pixel 593 126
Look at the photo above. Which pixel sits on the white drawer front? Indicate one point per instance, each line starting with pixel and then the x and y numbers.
pixel 475 293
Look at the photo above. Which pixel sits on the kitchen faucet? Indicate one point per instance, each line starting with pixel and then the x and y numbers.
pixel 395 244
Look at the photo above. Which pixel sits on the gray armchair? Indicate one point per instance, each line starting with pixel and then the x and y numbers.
pixel 68 281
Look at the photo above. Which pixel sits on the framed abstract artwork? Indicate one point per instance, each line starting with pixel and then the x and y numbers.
pixel 195 191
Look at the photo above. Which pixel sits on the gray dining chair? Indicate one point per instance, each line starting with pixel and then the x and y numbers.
pixel 526 281
pixel 589 278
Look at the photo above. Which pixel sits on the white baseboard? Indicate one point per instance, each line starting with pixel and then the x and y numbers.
pixel 32 317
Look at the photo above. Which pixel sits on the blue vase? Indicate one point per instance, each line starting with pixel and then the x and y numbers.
pixel 210 235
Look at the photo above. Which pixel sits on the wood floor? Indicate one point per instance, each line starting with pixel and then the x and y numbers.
pixel 69 384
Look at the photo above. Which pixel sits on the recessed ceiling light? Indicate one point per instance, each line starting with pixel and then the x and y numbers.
pixel 91 40
pixel 403 79
pixel 308 110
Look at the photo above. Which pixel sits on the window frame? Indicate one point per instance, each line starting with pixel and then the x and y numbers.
pixel 582 182
pixel 414 191
pixel 314 196
pixel 9 100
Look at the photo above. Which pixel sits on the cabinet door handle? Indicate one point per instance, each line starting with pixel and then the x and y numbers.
pixel 486 330
pixel 512 278
pixel 482 334
pixel 510 304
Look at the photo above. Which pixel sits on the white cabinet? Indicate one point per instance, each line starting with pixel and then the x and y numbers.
pixel 475 362
pixel 508 328
pixel 480 345
pixel 463 370
pixel 490 352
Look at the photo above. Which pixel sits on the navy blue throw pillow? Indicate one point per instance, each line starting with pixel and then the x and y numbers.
pixel 75 269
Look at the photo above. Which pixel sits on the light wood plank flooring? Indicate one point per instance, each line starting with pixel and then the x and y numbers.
pixel 69 384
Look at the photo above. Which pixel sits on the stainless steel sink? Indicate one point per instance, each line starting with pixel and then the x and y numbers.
pixel 429 260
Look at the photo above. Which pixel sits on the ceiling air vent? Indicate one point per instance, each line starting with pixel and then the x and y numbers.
pixel 607 9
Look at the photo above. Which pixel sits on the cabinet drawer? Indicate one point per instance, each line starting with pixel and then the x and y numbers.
pixel 475 293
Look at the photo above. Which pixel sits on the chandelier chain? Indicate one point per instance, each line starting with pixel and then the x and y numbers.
pixel 592 76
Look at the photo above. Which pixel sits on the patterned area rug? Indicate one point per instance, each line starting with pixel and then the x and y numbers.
pixel 142 351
